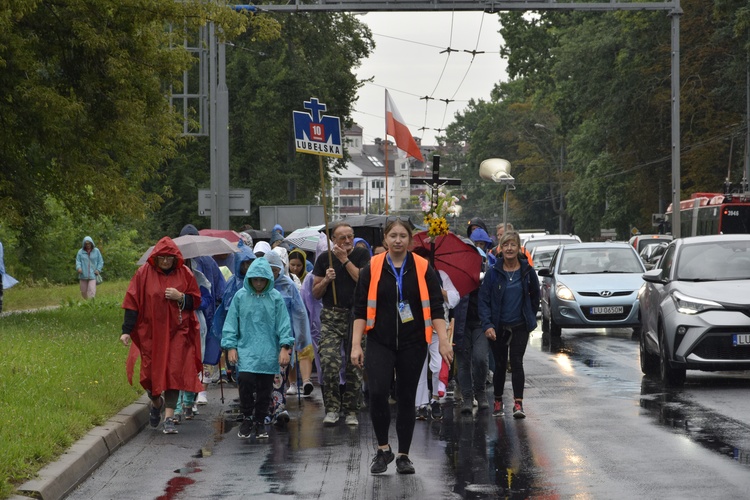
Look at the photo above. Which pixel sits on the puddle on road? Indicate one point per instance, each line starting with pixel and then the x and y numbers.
pixel 702 425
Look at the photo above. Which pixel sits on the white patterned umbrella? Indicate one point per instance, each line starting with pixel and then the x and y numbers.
pixel 196 246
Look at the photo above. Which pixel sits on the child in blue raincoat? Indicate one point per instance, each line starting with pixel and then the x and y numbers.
pixel 257 334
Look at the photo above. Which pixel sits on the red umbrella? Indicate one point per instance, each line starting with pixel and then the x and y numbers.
pixel 458 258
pixel 227 234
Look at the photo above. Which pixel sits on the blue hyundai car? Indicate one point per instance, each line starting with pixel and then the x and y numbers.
pixel 591 285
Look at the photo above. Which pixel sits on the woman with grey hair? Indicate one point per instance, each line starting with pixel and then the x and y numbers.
pixel 508 302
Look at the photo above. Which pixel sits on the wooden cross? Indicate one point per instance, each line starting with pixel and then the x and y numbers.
pixel 436 181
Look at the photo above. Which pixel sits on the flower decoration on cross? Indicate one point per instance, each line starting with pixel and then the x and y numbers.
pixel 436 207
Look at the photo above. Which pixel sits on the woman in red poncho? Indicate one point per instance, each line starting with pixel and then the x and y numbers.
pixel 159 320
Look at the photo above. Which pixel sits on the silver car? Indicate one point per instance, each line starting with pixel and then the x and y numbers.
pixel 695 308
pixel 591 285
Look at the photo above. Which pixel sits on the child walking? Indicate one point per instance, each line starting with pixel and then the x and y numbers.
pixel 257 334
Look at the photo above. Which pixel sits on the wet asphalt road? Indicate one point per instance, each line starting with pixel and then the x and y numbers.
pixel 595 428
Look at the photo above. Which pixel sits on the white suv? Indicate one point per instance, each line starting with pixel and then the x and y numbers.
pixel 549 239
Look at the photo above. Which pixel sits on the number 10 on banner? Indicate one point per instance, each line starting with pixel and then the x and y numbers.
pixel 317 132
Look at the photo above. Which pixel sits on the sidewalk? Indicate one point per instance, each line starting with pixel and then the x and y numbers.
pixel 59 478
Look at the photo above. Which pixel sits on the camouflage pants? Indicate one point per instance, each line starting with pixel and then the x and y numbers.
pixel 334 349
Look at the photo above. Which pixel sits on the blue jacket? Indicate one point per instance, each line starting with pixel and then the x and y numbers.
pixel 297 311
pixel 88 262
pixel 257 324
pixel 491 295
pixel 233 284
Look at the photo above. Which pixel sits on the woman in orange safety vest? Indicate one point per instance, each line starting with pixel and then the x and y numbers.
pixel 398 303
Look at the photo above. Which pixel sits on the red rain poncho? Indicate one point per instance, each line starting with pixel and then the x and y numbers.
pixel 167 339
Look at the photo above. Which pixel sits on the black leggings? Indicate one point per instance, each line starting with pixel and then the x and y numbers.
pixel 170 398
pixel 515 339
pixel 380 363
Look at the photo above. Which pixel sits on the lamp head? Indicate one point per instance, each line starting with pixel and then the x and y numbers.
pixel 496 170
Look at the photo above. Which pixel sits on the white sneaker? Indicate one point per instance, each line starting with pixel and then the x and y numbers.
pixel 351 419
pixel 475 402
pixel 202 399
pixel 292 390
pixel 331 418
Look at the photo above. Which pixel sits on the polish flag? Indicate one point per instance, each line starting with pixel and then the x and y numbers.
pixel 395 126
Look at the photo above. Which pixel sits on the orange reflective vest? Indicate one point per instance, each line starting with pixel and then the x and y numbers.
pixel 376 269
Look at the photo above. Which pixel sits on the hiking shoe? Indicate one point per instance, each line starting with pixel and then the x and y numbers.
pixel 422 413
pixel 482 399
pixel 498 409
pixel 307 388
pixel 202 399
pixel 331 418
pixel 351 419
pixel 177 418
pixel 246 428
pixel 292 391
pixel 189 413
pixel 404 465
pixel 169 427
pixel 381 461
pixel 154 415
pixel 436 410
pixel 281 418
pixel 260 431
pixel 466 407
pixel 518 410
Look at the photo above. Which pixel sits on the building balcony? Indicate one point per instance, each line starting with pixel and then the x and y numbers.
pixel 351 192
pixel 349 210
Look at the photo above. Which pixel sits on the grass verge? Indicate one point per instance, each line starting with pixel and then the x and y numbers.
pixel 63 373
pixel 23 298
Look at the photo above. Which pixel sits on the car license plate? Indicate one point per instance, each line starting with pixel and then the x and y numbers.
pixel 741 339
pixel 607 310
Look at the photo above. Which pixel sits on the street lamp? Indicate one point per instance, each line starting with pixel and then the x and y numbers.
pixel 498 170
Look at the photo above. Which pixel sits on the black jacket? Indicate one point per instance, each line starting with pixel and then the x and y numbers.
pixel 389 330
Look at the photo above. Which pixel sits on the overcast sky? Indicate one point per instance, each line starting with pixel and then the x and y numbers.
pixel 407 61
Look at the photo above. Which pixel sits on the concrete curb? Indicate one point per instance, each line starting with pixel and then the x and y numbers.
pixel 59 478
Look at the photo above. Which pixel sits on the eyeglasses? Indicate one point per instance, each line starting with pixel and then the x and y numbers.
pixel 510 244
pixel 345 237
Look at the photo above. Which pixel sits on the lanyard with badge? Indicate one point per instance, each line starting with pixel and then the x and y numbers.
pixel 404 309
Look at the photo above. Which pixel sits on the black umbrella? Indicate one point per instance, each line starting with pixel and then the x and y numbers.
pixel 258 235
pixel 370 227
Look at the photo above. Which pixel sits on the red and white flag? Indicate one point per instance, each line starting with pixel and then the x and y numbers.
pixel 395 126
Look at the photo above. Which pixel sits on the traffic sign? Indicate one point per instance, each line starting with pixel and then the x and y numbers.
pixel 316 134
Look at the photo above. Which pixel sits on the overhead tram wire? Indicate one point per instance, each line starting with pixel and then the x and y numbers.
pixel 429 97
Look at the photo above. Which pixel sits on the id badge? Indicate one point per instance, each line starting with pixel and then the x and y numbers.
pixel 404 310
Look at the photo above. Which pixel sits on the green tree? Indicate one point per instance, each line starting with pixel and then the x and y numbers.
pixel 84 115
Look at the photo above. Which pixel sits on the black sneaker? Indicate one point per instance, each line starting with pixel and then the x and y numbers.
pixel 154 415
pixel 246 428
pixel 437 411
pixel 260 431
pixel 188 413
pixel 404 465
pixel 381 461
pixel 308 388
pixel 422 413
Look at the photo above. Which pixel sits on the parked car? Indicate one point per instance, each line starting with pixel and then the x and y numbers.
pixel 549 239
pixel 651 254
pixel 591 285
pixel 695 308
